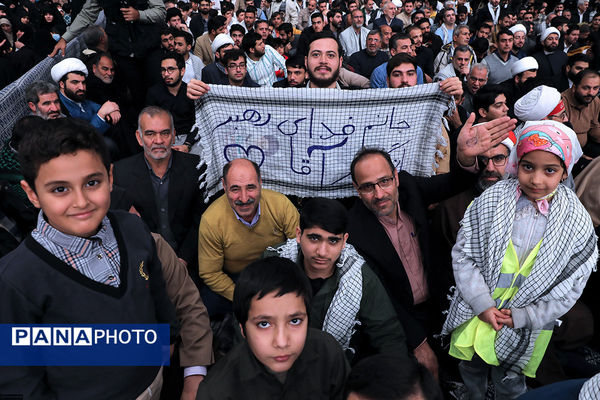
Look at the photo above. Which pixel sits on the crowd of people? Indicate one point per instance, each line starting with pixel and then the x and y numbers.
pixel 477 281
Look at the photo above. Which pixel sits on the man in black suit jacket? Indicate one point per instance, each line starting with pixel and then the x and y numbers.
pixel 389 229
pixel 550 58
pixel 163 185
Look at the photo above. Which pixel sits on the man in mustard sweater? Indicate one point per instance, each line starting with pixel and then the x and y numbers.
pixel 237 228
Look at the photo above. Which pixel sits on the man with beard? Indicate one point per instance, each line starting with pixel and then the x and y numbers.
pixel 519 38
pixel 460 37
pixel 583 107
pixel 526 69
pixel 550 59
pixel 571 42
pixel 335 22
pixel 170 95
pixel 199 22
pixel 291 40
pixel 167 41
pixel 296 74
pixel 399 43
pixel 193 63
pixel 389 17
pixel 162 185
pixel 365 61
pixel 354 38
pixel 459 67
pixel 430 40
pixel 575 64
pixel 101 86
pixel 42 100
pixel 262 60
pixel 215 72
pixel 70 74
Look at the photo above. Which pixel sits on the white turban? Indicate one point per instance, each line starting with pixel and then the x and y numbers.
pixel 220 40
pixel 524 64
pixel 537 104
pixel 67 65
pixel 549 31
pixel 518 28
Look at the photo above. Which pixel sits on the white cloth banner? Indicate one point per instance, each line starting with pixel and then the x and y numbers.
pixel 304 139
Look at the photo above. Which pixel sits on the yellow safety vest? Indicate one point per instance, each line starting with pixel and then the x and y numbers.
pixel 476 336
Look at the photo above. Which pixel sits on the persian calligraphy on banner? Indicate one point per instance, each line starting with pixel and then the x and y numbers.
pixel 304 139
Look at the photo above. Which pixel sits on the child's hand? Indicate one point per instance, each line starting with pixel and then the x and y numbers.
pixel 506 319
pixel 491 316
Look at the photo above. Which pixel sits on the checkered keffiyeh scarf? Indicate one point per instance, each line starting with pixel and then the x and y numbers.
pixel 590 389
pixel 567 255
pixel 341 314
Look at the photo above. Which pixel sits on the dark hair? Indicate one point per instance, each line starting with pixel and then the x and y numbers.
pixel 269 275
pixel 331 13
pixel 391 377
pixel 578 58
pixel 189 39
pixel 251 9
pixel 461 9
pixel 326 35
pixel 584 74
pixel 183 6
pixel 505 31
pixel 175 56
pixel 422 21
pixel 55 137
pixel 327 214
pixel 237 12
pixel 92 35
pixel 232 55
pixel 400 58
pixel 249 41
pixel 286 27
pixel 295 62
pixel 215 23
pixel 258 22
pixel 316 15
pixel 462 49
pixel 275 42
pixel 226 6
pixel 367 151
pixel 486 96
pixel 398 36
pixel 480 45
pixel 37 88
pixel 237 28
pixel 64 78
pixel 558 21
pixel 227 166
pixel 173 12
pixel 167 30
pixel 572 27
pixel 23 126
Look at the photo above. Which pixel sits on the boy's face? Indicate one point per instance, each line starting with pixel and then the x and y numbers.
pixel 73 190
pixel 320 249
pixel 276 330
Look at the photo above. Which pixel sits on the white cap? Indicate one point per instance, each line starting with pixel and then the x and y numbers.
pixel 220 40
pixel 518 28
pixel 397 3
pixel 524 64
pixel 537 104
pixel 549 31
pixel 67 65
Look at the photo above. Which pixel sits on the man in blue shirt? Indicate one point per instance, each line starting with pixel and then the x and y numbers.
pixel 399 43
pixel 70 75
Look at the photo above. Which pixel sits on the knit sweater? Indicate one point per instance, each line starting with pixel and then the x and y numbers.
pixel 38 288
pixel 226 244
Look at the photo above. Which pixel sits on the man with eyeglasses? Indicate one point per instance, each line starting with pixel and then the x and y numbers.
pixel 235 68
pixel 170 94
pixel 389 228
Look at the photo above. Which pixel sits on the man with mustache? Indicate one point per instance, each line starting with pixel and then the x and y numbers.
pixel 170 95
pixel 70 74
pixel 42 100
pixel 163 186
pixel 583 106
pixel 235 230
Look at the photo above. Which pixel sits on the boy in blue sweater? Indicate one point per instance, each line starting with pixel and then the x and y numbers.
pixel 80 265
